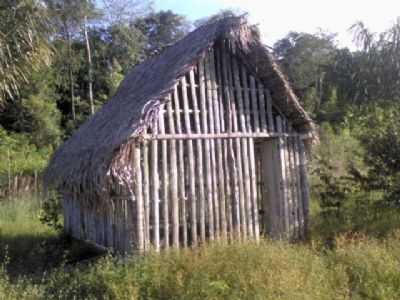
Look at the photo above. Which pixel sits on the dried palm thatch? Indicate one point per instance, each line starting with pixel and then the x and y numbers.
pixel 98 156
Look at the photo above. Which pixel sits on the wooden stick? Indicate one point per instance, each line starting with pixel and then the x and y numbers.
pixel 165 178
pixel 244 144
pixel 238 149
pixel 304 185
pixel 174 177
pixel 252 166
pixel 181 169
pixel 131 237
pixel 233 164
pixel 263 113
pixel 256 112
pixel 298 187
pixel 220 205
pixel 225 147
pixel 288 181
pixel 155 189
pixel 271 125
pixel 192 177
pixel 246 107
pixel 294 188
pixel 226 135
pixel 200 173
pixel 146 193
pixel 284 194
pixel 212 173
pixel 204 113
pixel 138 197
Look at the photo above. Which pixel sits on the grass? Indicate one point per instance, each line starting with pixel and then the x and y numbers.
pixel 38 263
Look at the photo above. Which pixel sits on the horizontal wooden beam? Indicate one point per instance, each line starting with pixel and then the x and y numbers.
pixel 194 136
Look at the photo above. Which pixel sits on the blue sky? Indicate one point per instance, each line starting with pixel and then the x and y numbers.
pixel 277 18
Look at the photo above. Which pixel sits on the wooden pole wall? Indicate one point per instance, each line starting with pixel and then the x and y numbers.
pixel 165 180
pixel 199 154
pixel 155 189
pixel 203 82
pixel 173 176
pixel 196 173
pixel 190 153
pixel 181 169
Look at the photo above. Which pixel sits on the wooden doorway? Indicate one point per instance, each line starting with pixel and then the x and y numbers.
pixel 270 183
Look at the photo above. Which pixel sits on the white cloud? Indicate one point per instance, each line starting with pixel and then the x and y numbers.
pixel 277 18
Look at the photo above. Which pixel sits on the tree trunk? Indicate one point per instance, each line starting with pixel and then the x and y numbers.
pixel 71 76
pixel 89 62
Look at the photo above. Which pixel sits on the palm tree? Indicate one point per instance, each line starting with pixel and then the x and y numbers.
pixel 24 43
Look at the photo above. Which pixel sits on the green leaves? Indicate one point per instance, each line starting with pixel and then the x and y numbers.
pixel 24 44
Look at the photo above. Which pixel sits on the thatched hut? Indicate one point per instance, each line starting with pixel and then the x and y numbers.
pixel 204 141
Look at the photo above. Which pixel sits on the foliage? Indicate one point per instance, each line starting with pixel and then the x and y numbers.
pixel 305 59
pixel 51 210
pixel 382 149
pixel 354 170
pixel 161 29
pixel 37 264
pixel 224 13
pixel 24 44
pixel 19 156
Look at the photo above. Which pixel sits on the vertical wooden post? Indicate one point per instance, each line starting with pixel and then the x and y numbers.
pixel 204 116
pixel 220 204
pixel 263 113
pixel 304 185
pixel 155 189
pixel 227 203
pixel 131 230
pixel 192 183
pixel 213 174
pixel 146 193
pixel 255 110
pixel 199 147
pixel 271 125
pixel 246 171
pixel 251 152
pixel 138 190
pixel 238 150
pixel 288 180
pixel 181 168
pixel 165 178
pixel 232 161
pixel 174 177
pixel 283 184
pixel 298 186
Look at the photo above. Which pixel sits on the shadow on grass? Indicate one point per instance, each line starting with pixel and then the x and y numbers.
pixel 32 255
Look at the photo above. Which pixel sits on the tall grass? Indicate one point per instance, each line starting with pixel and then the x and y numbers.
pixel 22 236
pixel 358 267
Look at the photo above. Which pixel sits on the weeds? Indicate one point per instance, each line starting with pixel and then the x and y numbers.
pixel 357 267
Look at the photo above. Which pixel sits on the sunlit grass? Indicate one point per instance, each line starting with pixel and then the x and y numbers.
pixel 36 266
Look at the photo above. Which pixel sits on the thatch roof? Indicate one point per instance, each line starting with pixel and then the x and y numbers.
pixel 96 156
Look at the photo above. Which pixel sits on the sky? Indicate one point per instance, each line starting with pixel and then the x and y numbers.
pixel 276 18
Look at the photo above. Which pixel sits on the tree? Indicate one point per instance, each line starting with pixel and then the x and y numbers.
pixel 381 143
pixel 124 11
pixel 24 47
pixel 225 13
pixel 161 29
pixel 305 58
pixel 376 64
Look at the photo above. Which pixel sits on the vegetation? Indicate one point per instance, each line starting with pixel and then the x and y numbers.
pixel 60 60
pixel 39 264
